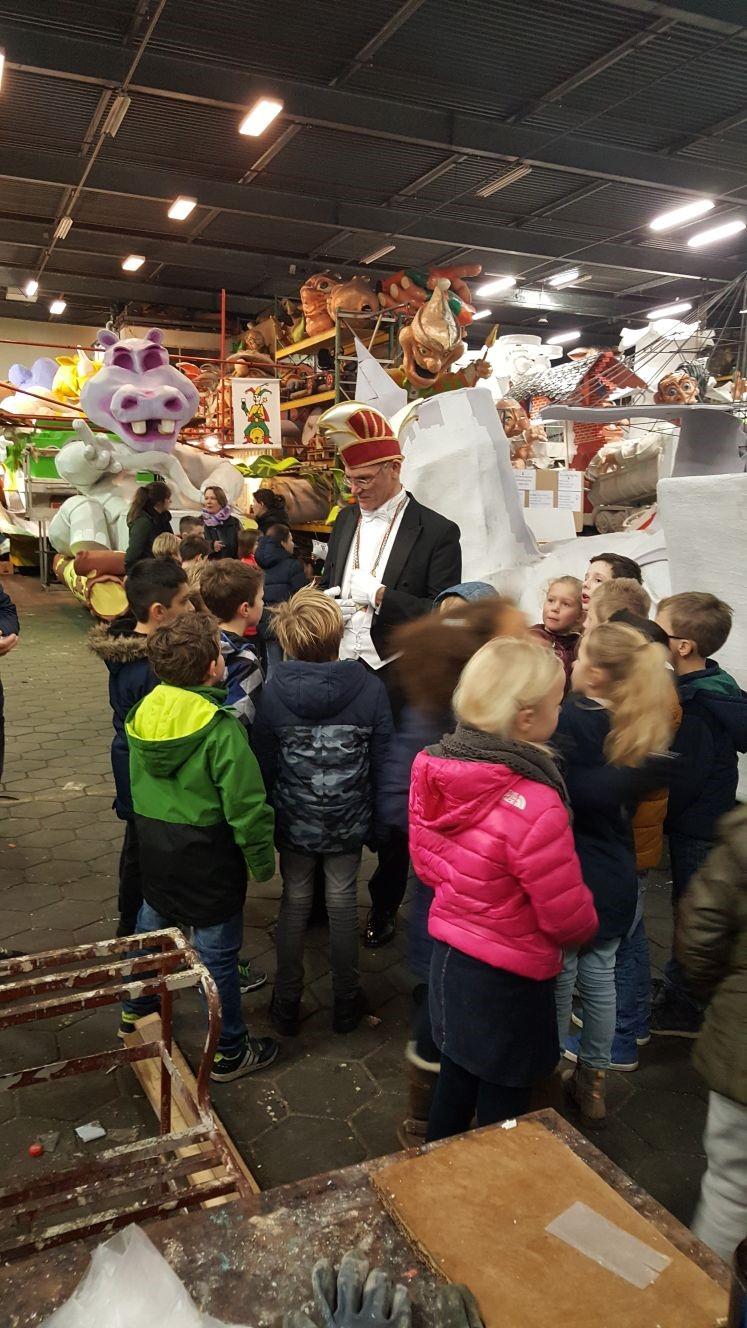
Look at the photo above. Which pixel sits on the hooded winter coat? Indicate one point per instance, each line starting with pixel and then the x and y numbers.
pixel 200 808
pixel 712 733
pixel 244 677
pixel 284 574
pixel 130 679
pixel 496 846
pixel 711 945
pixel 322 735
pixel 603 798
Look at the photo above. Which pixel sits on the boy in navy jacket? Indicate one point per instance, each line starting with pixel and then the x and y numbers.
pixel 704 787
pixel 157 593
pixel 322 735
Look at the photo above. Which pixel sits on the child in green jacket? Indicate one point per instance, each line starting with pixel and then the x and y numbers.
pixel 202 822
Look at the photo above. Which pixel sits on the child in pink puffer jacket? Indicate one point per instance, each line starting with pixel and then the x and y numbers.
pixel 490 833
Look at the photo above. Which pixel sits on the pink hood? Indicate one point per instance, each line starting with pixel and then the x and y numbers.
pixel 498 850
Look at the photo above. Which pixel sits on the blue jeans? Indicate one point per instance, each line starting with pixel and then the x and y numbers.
pixel 218 948
pixel 633 982
pixel 593 971
pixel 687 856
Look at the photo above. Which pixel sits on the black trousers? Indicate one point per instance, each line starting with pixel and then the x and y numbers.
pixel 2 730
pixel 460 1096
pixel 389 882
pixel 130 882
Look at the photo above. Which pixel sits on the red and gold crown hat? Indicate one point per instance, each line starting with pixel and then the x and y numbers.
pixel 360 434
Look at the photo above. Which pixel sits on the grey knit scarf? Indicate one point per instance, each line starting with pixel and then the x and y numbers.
pixel 467 744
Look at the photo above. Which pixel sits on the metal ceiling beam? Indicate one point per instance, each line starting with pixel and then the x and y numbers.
pixel 725 16
pixel 605 62
pixel 102 289
pixel 447 130
pixel 379 39
pixel 227 263
pixel 108 177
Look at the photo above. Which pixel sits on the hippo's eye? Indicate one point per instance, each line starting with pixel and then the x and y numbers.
pixel 152 359
pixel 122 359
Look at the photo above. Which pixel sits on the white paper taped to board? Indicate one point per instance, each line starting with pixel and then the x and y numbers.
pixel 541 498
pixel 608 1245
pixel 526 480
pixel 570 489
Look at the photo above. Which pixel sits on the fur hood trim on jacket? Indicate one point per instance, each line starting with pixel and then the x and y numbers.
pixel 117 648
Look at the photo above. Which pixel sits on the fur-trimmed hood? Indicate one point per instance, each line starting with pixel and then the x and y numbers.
pixel 117 645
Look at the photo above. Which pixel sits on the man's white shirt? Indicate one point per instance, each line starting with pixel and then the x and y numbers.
pixel 356 641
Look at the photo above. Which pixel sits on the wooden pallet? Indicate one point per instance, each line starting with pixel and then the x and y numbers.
pixel 183 1112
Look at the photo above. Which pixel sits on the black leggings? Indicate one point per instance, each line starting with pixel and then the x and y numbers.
pixel 460 1095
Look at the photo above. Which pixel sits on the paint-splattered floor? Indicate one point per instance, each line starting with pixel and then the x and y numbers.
pixel 329 1100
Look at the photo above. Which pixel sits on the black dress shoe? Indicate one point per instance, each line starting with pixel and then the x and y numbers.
pixel 380 930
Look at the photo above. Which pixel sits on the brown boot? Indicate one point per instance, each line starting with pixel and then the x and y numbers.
pixel 586 1088
pixel 421 1085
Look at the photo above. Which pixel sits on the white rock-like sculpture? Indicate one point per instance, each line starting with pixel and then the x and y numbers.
pixel 457 461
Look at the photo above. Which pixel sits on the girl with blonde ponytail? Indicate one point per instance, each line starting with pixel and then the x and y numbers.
pixel 614 731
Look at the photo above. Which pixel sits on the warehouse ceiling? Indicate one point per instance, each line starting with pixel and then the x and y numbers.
pixel 395 115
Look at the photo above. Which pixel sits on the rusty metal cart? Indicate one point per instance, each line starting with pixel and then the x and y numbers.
pixel 144 1179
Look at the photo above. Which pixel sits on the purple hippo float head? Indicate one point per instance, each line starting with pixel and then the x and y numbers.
pixel 138 395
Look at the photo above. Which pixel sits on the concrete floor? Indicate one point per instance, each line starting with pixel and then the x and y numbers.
pixel 329 1100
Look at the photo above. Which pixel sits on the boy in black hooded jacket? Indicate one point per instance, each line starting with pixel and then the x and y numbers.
pixel 157 593
pixel 704 787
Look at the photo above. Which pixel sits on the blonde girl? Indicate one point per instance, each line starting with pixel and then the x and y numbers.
pixel 614 732
pixel 490 834
pixel 167 545
pixel 562 620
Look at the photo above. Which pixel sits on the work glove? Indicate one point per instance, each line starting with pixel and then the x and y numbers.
pixel 364 588
pixel 355 1298
pixel 456 1307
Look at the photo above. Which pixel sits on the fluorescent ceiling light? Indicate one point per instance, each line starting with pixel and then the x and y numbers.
pixel 133 262
pixel 566 278
pixel 378 253
pixel 668 221
pixel 496 285
pixel 58 307
pixel 670 310
pixel 503 181
pixel 181 208
pixel 2 66
pixel 716 233
pixel 481 313
pixel 563 338
pixel 117 112
pixel 31 288
pixel 261 115
pixel 63 228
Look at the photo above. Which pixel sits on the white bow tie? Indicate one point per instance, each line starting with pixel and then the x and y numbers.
pixel 379 515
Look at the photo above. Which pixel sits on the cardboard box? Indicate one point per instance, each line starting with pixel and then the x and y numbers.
pixel 553 490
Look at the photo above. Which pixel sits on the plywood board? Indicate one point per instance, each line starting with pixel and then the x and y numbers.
pixel 183 1113
pixel 478 1207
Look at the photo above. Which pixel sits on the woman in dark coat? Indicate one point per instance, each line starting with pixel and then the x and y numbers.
pixel 148 517
pixel 268 509
pixel 221 528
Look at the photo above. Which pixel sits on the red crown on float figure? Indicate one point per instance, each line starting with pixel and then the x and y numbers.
pixel 360 434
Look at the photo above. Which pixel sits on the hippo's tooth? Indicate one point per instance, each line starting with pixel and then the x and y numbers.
pixel 165 426
pixel 138 426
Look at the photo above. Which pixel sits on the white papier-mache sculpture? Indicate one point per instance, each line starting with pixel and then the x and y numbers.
pixel 139 396
pixel 457 458
pixel 515 355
